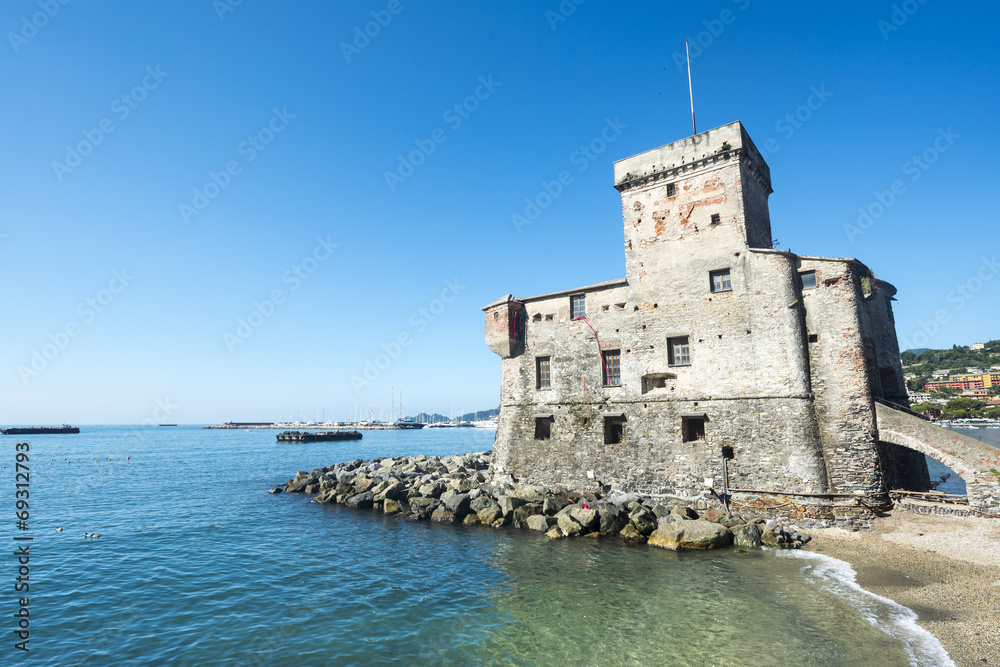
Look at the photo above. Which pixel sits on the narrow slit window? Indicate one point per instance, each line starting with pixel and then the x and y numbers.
pixel 611 373
pixel 577 306
pixel 721 281
pixel 679 351
pixel 543 372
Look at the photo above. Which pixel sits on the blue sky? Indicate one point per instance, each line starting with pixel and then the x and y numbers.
pixel 171 169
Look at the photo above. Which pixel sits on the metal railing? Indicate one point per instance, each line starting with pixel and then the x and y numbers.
pixel 900 408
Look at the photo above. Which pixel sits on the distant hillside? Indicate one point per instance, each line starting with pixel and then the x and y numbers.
pixel 956 360
pixel 482 415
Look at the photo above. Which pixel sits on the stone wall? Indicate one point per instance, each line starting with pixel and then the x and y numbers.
pixel 790 415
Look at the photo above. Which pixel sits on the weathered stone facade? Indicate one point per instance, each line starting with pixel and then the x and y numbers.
pixel 716 364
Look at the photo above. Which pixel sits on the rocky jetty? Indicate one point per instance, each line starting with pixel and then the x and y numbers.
pixel 321 436
pixel 455 489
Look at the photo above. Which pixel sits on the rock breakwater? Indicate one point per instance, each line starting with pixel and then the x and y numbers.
pixel 456 489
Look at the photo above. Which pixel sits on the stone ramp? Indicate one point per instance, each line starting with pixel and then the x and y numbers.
pixel 977 463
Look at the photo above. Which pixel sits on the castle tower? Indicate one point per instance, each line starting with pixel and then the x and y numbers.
pixel 698 198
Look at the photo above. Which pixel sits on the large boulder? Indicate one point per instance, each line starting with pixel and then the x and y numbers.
pixel 540 522
pixel 612 518
pixel 443 515
pixel 746 535
pixel 522 513
pixel 490 514
pixel 643 519
pixel 568 525
pixel 391 506
pixel 508 504
pixel 553 504
pixel 479 503
pixel 298 485
pixel 361 501
pixel 587 518
pixel 684 513
pixel 457 503
pixel 363 483
pixel 531 494
pixel 631 534
pixel 393 489
pixel 431 490
pixel 691 534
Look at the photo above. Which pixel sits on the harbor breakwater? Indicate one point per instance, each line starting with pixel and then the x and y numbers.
pixel 455 490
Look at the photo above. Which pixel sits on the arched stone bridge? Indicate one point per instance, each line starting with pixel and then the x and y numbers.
pixel 977 463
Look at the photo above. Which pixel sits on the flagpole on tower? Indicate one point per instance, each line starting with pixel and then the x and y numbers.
pixel 694 129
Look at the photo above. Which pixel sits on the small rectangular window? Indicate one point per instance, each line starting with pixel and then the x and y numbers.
pixel 612 370
pixel 671 189
pixel 716 218
pixel 813 338
pixel 808 279
pixel 543 373
pixel 693 429
pixel 678 351
pixel 720 281
pixel 577 306
pixel 543 428
pixel 614 430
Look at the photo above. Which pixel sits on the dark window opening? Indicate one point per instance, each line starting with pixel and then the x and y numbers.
pixel 671 189
pixel 693 429
pixel 813 338
pixel 543 372
pixel 577 306
pixel 543 428
pixel 716 218
pixel 611 373
pixel 720 281
pixel 614 430
pixel 727 453
pixel 537 317
pixel 656 381
pixel 808 279
pixel 679 351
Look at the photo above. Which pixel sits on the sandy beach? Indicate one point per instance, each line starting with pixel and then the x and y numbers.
pixel 945 569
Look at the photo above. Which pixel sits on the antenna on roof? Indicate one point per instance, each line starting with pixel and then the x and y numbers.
pixel 694 130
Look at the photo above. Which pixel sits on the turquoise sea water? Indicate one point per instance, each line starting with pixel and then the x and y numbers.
pixel 198 565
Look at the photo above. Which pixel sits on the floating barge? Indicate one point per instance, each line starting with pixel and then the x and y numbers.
pixel 39 430
pixel 324 436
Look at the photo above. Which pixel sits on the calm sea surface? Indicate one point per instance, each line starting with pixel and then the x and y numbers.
pixel 197 564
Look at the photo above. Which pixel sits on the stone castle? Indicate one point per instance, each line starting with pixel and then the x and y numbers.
pixel 719 369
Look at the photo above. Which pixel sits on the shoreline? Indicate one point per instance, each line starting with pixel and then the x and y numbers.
pixel 946 569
